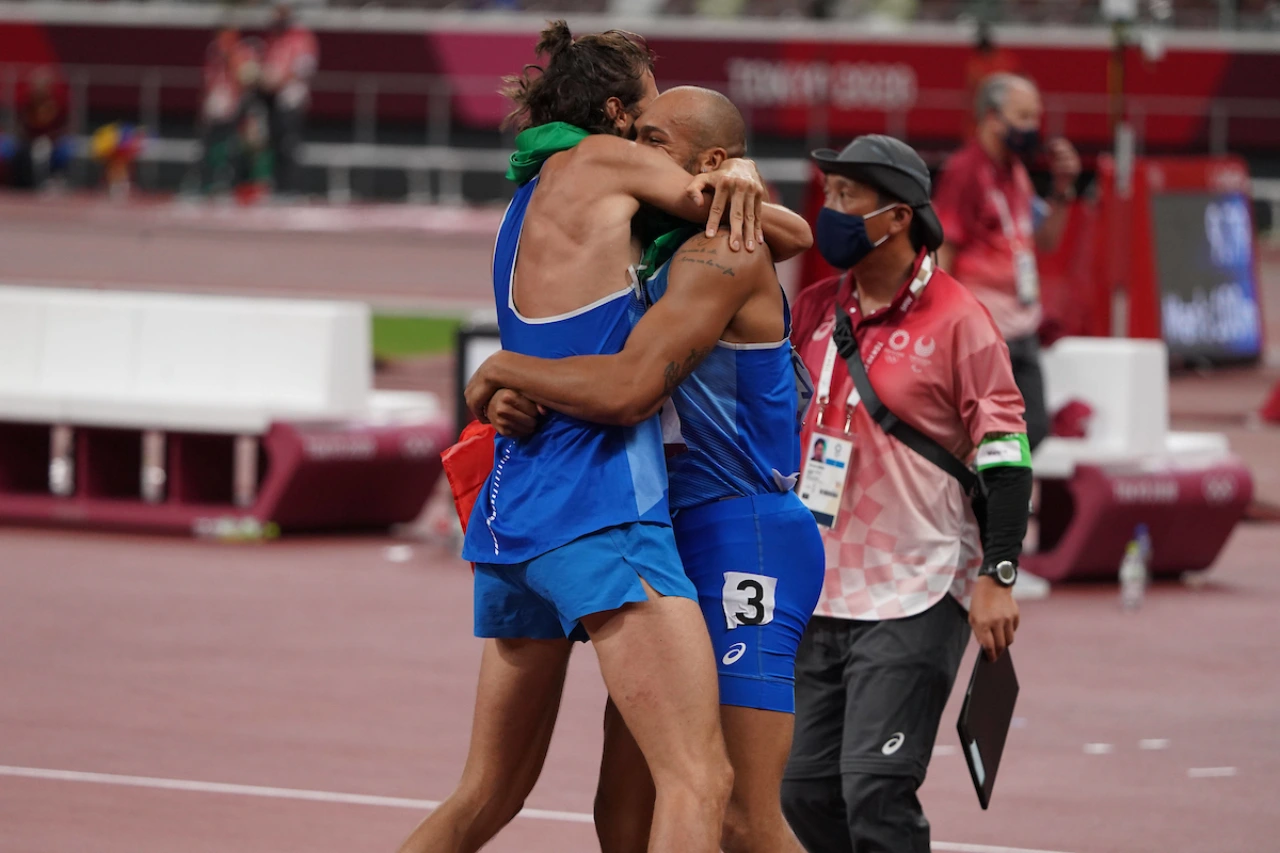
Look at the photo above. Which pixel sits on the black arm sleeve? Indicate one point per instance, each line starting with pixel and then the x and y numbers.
pixel 1008 502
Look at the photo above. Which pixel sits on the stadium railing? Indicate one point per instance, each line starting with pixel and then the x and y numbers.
pixel 442 159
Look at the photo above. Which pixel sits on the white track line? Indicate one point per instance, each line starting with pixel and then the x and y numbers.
pixel 259 791
pixel 1210 772
pixel 951 847
pixel 307 795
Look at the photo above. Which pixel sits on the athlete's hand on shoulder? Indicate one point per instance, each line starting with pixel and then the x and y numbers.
pixel 993 615
pixel 512 414
pixel 737 182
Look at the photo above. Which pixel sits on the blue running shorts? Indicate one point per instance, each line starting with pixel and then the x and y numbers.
pixel 543 598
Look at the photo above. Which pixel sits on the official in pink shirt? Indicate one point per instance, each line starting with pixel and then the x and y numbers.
pixel 995 222
pixel 908 573
pixel 291 59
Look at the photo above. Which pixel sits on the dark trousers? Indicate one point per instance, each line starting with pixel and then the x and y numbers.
pixel 869 699
pixel 217 157
pixel 1025 355
pixel 286 138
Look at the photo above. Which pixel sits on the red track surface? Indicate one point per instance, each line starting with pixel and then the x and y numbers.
pixel 399 257
pixel 321 665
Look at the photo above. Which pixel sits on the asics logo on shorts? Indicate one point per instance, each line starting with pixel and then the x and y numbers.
pixel 892 744
pixel 736 651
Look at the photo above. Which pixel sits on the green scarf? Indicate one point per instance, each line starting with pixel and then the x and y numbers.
pixel 535 145
pixel 660 250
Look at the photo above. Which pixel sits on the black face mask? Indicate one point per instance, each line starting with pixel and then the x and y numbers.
pixel 1023 143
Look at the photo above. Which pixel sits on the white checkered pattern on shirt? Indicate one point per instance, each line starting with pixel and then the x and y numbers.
pixel 906 530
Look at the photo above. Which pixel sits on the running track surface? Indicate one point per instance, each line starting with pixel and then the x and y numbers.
pixel 163 695
pixel 322 665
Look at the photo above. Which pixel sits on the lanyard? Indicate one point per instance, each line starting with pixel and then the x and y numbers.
pixel 829 358
pixel 1007 224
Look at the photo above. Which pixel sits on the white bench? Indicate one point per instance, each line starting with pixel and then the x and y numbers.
pixel 1126 383
pixel 205 386
pixel 1186 488
pixel 179 362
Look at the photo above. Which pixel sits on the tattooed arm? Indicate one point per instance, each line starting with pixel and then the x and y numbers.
pixel 708 285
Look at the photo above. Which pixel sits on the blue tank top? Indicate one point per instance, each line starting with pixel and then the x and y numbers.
pixel 569 478
pixel 740 413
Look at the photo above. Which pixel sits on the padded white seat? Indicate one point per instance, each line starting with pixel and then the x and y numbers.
pixel 182 362
pixel 1126 383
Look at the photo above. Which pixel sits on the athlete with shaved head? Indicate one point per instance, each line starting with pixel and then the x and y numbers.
pixel 714 343
pixel 571 535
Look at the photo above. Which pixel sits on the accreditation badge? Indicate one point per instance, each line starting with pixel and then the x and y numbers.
pixel 1028 280
pixel 828 460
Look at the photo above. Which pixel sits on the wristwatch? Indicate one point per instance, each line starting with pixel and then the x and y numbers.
pixel 1005 572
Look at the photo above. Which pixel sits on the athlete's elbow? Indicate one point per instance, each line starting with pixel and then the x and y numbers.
pixel 802 242
pixel 632 406
pixel 629 413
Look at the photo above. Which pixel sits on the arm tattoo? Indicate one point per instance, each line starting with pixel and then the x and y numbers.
pixel 699 250
pixel 676 372
pixel 706 262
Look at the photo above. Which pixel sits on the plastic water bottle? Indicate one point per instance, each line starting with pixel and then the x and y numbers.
pixel 1133 569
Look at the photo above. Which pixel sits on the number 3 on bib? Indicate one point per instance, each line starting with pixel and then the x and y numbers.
pixel 748 599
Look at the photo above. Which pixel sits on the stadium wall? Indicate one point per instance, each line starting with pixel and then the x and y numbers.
pixel 1193 92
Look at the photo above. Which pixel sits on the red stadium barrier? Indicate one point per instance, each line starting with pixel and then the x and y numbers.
pixel 310 477
pixel 1086 521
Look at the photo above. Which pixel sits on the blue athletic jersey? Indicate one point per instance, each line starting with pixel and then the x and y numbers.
pixel 740 413
pixel 569 478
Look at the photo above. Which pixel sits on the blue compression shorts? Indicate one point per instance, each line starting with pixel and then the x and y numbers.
pixel 758 566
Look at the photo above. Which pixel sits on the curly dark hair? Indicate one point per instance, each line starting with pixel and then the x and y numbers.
pixel 580 76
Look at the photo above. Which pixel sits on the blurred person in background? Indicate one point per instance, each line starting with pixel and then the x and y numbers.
pixel 41 150
pixel 231 70
pixel 291 59
pixel 995 223
pixel 906 552
pixel 988 58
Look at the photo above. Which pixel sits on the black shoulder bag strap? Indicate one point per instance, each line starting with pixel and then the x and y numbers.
pixel 847 346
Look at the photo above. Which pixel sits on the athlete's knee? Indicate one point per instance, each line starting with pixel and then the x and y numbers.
pixel 885 813
pixel 706 778
pixel 718 776
pixel 488 804
pixel 753 827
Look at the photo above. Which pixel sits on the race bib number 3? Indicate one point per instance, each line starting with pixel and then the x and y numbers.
pixel 826 470
pixel 748 599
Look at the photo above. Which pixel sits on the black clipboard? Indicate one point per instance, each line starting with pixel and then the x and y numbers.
pixel 984 720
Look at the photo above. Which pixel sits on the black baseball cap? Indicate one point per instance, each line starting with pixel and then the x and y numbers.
pixel 892 166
